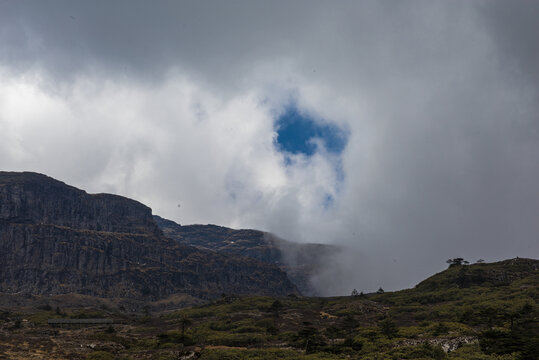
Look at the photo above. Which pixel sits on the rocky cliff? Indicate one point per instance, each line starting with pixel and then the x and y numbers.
pixel 300 261
pixel 57 239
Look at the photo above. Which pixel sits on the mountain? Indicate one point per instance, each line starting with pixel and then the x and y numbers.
pixel 300 261
pixel 56 239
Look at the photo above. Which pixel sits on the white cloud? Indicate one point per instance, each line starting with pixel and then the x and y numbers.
pixel 168 144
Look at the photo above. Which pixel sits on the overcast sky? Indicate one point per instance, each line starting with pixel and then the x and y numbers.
pixel 406 130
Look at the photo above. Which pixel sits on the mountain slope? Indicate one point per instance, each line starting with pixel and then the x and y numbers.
pixel 57 239
pixel 483 274
pixel 483 321
pixel 300 261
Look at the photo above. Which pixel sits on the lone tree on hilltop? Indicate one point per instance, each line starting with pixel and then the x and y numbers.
pixel 457 262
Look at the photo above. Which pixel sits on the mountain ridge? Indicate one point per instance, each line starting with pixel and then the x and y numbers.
pixel 57 239
pixel 301 261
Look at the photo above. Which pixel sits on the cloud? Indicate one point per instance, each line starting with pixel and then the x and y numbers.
pixel 178 103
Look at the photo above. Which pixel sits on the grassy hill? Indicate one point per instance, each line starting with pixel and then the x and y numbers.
pixel 480 311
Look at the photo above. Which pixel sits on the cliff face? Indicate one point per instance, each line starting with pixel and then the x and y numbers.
pixel 56 239
pixel 300 261
pixel 37 199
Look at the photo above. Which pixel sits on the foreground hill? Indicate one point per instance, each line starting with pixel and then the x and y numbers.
pixel 56 239
pixel 479 321
pixel 300 261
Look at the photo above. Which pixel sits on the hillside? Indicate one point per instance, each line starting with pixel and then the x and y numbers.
pixel 481 321
pixel 300 261
pixel 494 274
pixel 56 239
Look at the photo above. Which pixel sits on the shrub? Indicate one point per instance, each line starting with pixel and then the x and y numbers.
pixel 425 351
pixel 235 339
pixel 105 336
pixel 100 355
pixel 440 329
pixel 388 328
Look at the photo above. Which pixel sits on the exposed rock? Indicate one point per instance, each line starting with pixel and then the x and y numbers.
pixel 299 261
pixel 56 239
pixel 447 344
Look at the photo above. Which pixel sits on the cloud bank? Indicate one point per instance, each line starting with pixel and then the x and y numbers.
pixel 177 103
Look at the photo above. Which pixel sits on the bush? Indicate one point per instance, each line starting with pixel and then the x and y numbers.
pixel 100 355
pixel 425 351
pixel 174 337
pixel 235 339
pixel 356 345
pixel 262 354
pixel 104 336
pixel 388 328
pixel 440 329
pixel 110 330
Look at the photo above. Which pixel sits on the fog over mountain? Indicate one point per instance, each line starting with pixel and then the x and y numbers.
pixel 406 131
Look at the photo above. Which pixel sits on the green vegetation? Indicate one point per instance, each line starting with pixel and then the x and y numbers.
pixel 480 311
pixel 100 355
pixel 263 354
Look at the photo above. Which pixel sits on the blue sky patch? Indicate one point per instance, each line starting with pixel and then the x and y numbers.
pixel 328 201
pixel 296 130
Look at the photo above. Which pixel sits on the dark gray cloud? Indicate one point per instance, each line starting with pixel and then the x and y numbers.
pixel 513 27
pixel 175 102
pixel 215 40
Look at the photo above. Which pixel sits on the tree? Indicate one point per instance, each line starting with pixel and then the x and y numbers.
pixel 276 308
pixel 380 291
pixel 332 333
pixel 440 329
pixel 59 311
pixel 184 321
pixel 388 328
pixel 354 293
pixel 457 262
pixel 309 335
pixel 110 330
pixel 350 324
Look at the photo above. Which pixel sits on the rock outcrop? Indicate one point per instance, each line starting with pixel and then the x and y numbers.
pixel 300 261
pixel 56 239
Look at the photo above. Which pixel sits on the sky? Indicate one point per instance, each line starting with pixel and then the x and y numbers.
pixel 406 132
